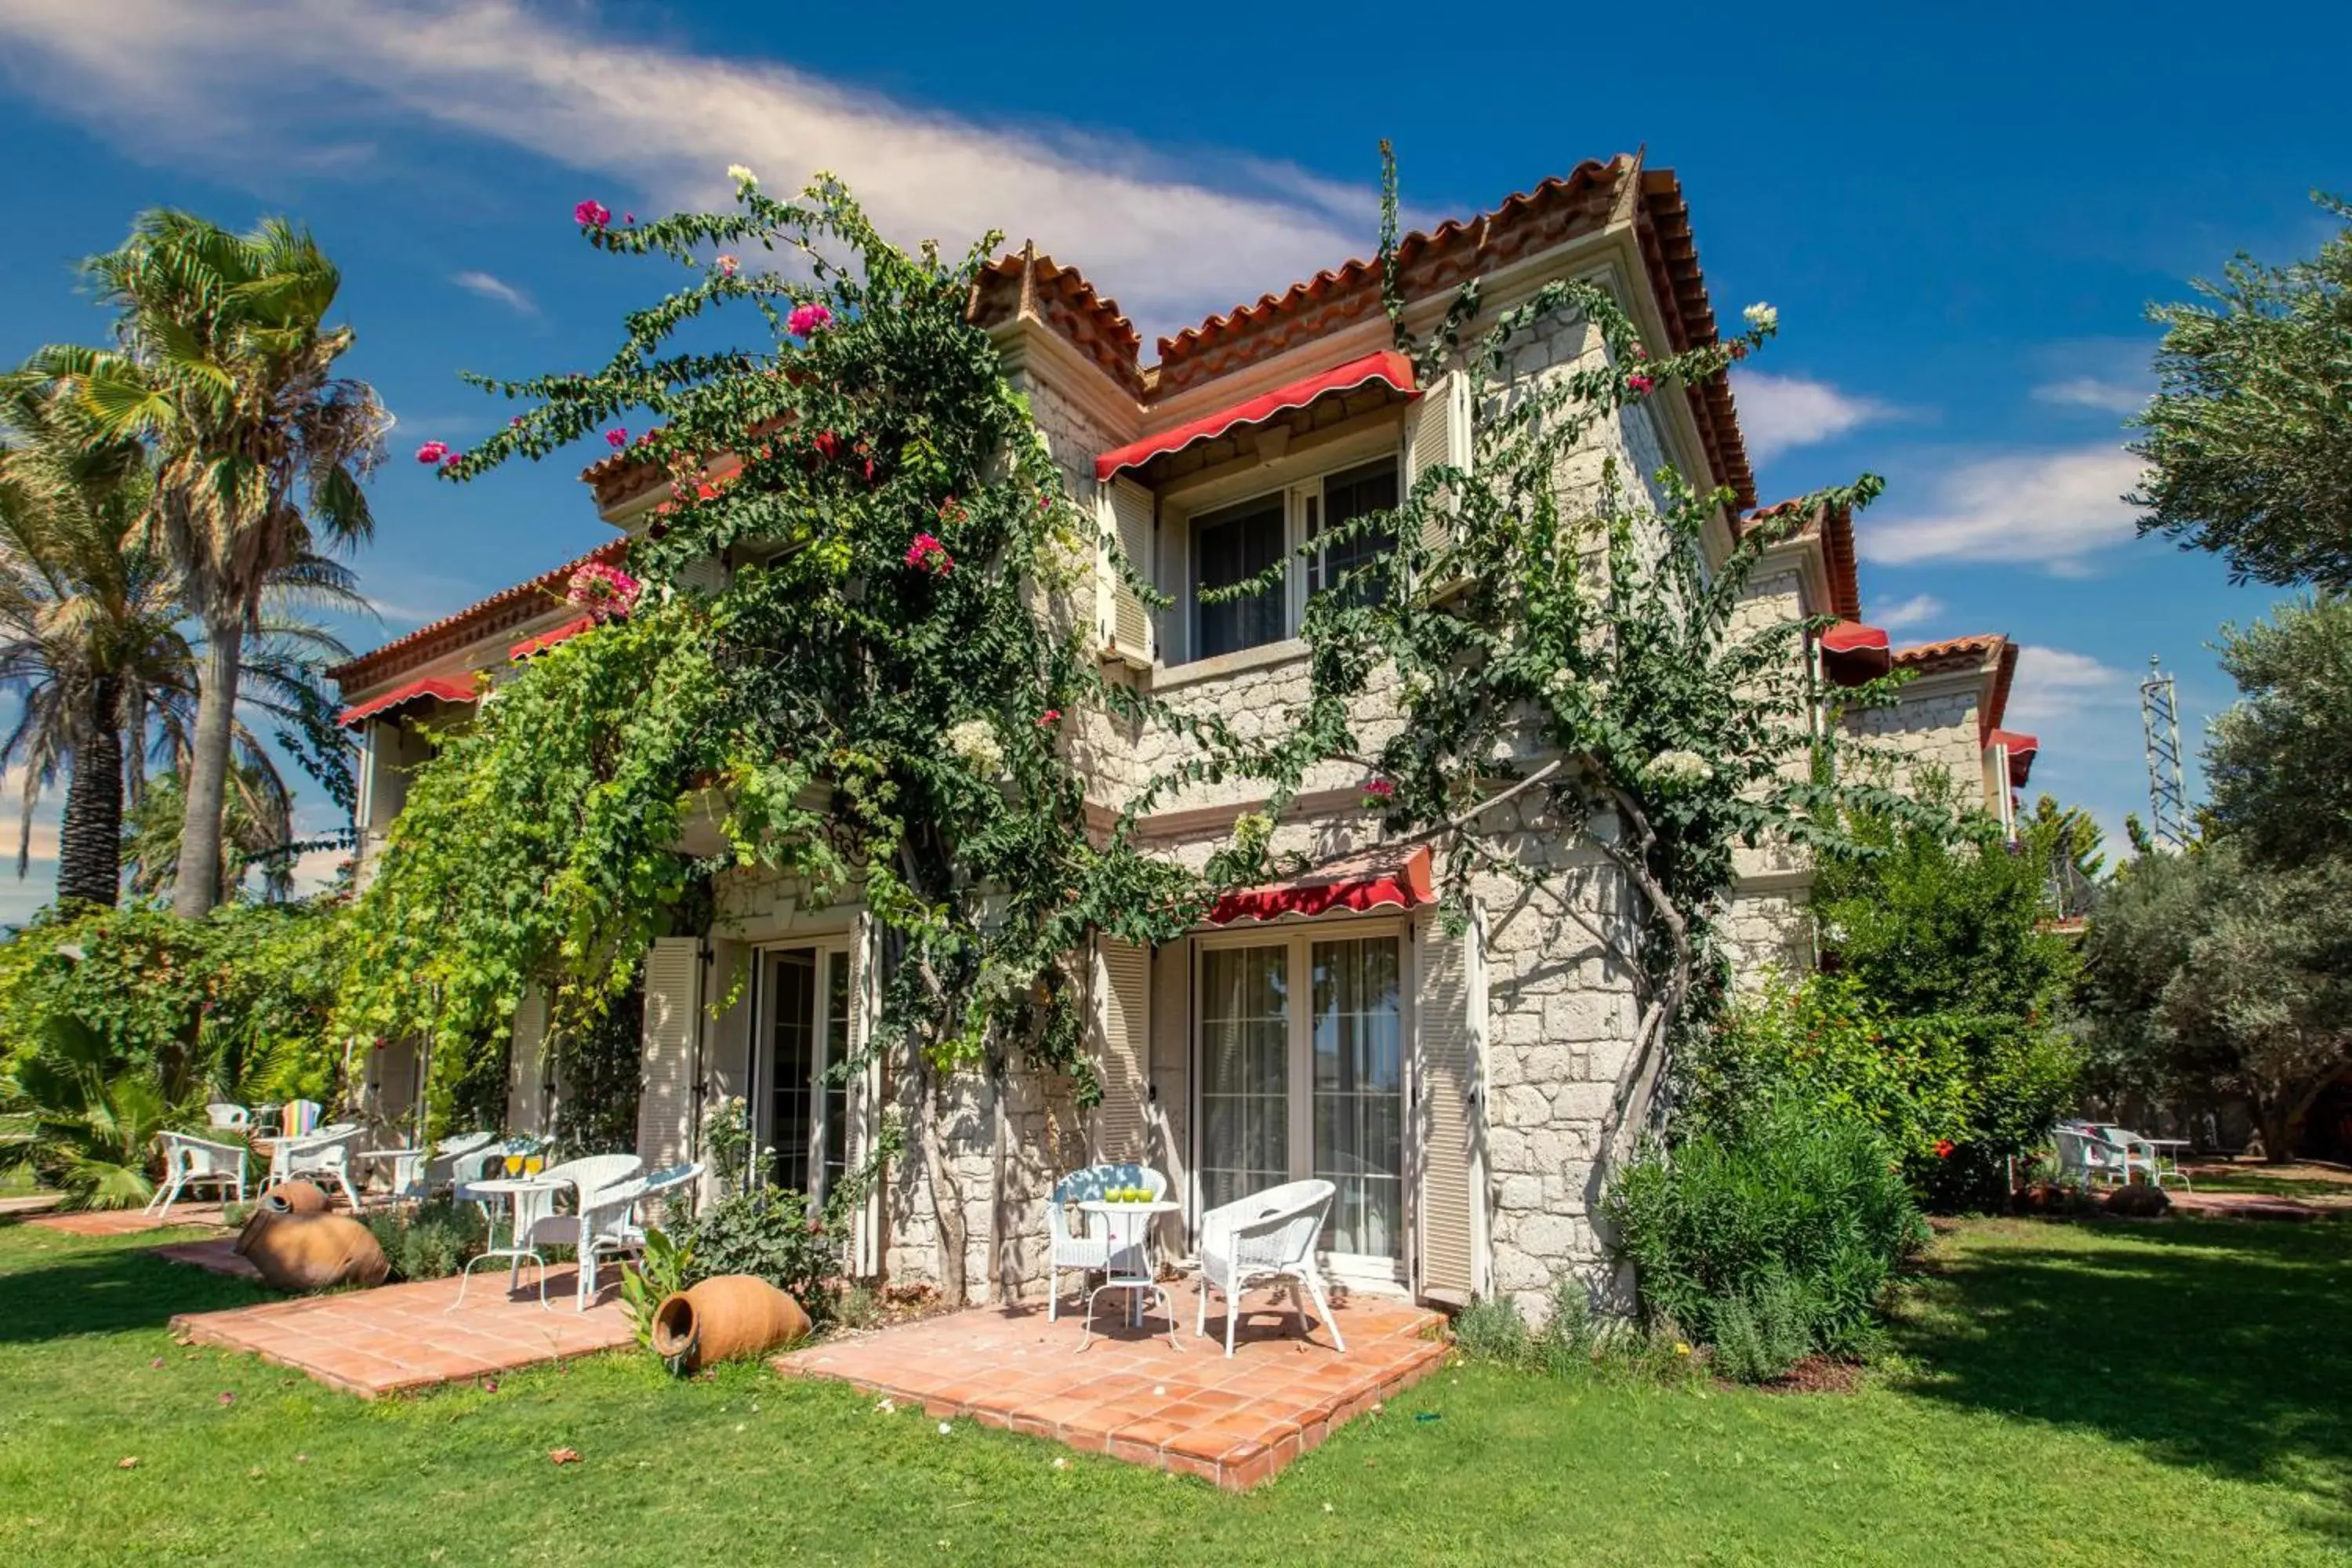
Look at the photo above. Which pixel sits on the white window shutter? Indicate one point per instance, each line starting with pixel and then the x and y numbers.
pixel 704 577
pixel 673 1031
pixel 1449 1018
pixel 1121 1129
pixel 1436 433
pixel 865 1099
pixel 1125 619
pixel 526 1069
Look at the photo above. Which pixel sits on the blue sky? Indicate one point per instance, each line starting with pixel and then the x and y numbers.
pixel 1960 213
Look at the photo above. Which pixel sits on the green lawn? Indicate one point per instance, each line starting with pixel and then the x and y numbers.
pixel 2096 1393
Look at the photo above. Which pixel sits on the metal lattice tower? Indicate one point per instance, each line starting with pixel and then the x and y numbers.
pixel 2168 797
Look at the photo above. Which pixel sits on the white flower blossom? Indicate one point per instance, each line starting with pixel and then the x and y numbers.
pixel 1678 767
pixel 742 176
pixel 1761 317
pixel 975 741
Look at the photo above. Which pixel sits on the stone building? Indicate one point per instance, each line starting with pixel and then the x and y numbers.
pixel 1454 1089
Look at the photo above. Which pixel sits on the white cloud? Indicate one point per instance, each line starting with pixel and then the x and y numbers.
pixel 290 74
pixel 1915 611
pixel 2046 508
pixel 1780 413
pixel 2053 685
pixel 498 288
pixel 2090 392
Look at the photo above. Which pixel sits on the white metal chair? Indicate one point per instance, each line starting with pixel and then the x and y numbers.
pixel 611 1224
pixel 224 1116
pixel 1265 1237
pixel 483 1162
pixel 324 1155
pixel 1088 1249
pixel 193 1161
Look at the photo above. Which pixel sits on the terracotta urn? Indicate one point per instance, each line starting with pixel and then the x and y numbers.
pixel 312 1251
pixel 296 1197
pixel 725 1316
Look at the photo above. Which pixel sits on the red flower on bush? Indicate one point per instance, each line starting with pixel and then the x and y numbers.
pixel 1639 385
pixel 828 446
pixel 1377 791
pixel 604 591
pixel 928 555
pixel 1049 718
pixel 591 213
pixel 432 451
pixel 617 437
pixel 807 318
pixel 1944 1147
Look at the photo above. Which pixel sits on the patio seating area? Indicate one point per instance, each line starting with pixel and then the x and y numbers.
pixel 1133 1396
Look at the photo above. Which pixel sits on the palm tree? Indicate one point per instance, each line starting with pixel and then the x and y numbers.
pixel 258 821
pixel 87 637
pixel 226 363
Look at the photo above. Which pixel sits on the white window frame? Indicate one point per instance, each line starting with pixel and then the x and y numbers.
pixel 1300 936
pixel 830 950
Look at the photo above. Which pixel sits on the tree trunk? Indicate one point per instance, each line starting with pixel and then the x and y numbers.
pixel 89 843
pixel 197 888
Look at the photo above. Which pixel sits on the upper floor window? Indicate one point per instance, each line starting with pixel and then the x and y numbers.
pixel 1235 543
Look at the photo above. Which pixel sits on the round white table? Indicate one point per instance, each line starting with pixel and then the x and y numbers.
pixel 1128 1264
pixel 514 1189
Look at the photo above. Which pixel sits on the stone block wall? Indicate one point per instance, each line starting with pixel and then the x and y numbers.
pixel 1933 726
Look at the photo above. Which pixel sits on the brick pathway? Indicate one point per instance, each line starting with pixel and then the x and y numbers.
pixel 395 1338
pixel 127 1222
pixel 1131 1395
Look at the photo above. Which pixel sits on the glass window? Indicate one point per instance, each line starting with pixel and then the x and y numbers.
pixel 834 1086
pixel 1347 497
pixel 1229 547
pixel 1357 1036
pixel 1244 1071
pixel 791 1113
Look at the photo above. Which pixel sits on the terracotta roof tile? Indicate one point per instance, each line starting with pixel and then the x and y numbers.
pixel 1063 300
pixel 1835 525
pixel 502 611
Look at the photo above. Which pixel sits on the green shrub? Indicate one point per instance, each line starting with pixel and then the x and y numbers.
pixel 770 1234
pixel 432 1241
pixel 1494 1331
pixel 1762 1332
pixel 665 1267
pixel 1575 1340
pixel 1805 1207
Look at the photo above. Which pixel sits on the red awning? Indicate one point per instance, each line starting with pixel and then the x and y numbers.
pixel 1376 879
pixel 400 695
pixel 545 640
pixel 1852 653
pixel 2021 753
pixel 1388 367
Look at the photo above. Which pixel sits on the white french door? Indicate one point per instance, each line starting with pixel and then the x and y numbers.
pixel 804 1034
pixel 1302 1058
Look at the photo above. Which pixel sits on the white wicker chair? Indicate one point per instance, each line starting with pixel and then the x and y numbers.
pixel 1265 1237
pixel 1088 1249
pixel 222 1116
pixel 2087 1155
pixel 192 1162
pixel 612 1225
pixel 441 1165
pixel 324 1155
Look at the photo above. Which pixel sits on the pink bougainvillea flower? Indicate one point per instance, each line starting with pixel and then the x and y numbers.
pixel 628 217
pixel 515 421
pixel 928 555
pixel 591 213
pixel 604 591
pixel 1639 385
pixel 617 437
pixel 728 266
pixel 432 451
pixel 452 460
pixel 646 439
pixel 807 318
pixel 1738 349
pixel 1379 789
pixel 1638 352
pixel 1049 718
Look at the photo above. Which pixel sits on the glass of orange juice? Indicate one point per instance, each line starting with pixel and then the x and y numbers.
pixel 514 1165
pixel 533 1164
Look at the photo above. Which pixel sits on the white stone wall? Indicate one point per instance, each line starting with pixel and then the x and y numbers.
pixel 1560 1012
pixel 1933 726
pixel 1003 1141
